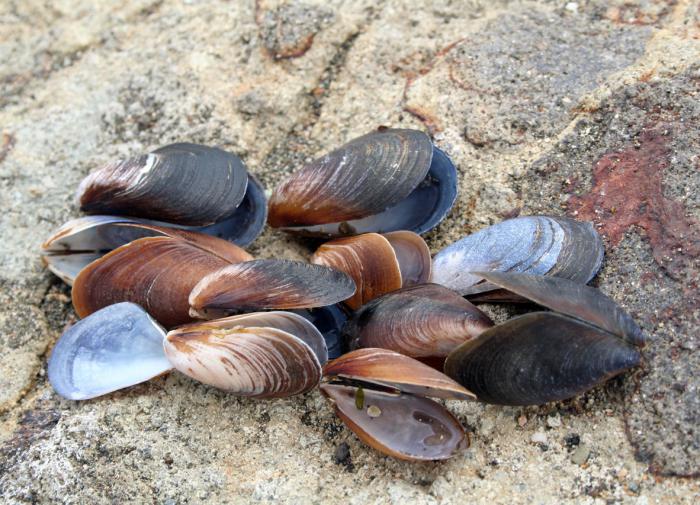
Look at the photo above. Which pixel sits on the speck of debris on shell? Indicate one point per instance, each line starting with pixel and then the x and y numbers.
pixel 374 411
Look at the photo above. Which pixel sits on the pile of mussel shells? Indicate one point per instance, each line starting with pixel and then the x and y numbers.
pixel 161 282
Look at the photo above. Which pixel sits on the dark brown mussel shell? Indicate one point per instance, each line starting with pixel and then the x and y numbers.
pixel 541 245
pixel 399 425
pixel 184 184
pixel 262 355
pixel 377 263
pixel 419 321
pixel 387 369
pixel 538 358
pixel 573 299
pixel 157 273
pixel 268 284
pixel 81 241
pixel 388 180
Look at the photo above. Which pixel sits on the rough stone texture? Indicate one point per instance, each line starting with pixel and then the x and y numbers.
pixel 581 108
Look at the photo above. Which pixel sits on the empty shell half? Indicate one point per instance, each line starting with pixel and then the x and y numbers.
pixel 542 245
pixel 268 284
pixel 384 181
pixel 184 184
pixel 81 241
pixel 537 358
pixel 157 273
pixel 263 355
pixel 419 321
pixel 377 263
pixel 116 347
pixel 399 425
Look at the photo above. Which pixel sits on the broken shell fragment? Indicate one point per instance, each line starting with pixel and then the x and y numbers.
pixel 158 273
pixel 81 241
pixel 388 180
pixel 116 347
pixel 181 184
pixel 377 263
pixel 268 284
pixel 538 358
pixel 419 321
pixel 387 369
pixel 542 245
pixel 250 355
pixel 399 425
pixel 573 299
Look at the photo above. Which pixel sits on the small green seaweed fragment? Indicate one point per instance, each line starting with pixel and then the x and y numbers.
pixel 360 398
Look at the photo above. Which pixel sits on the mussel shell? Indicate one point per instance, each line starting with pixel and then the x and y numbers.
pixel 530 244
pixel 389 369
pixel 413 256
pixel 268 284
pixel 181 183
pixel 114 348
pixel 573 299
pixel 369 259
pixel 81 241
pixel 424 320
pixel 290 322
pixel 402 426
pixel 329 320
pixel 538 358
pixel 157 273
pixel 247 222
pixel 385 181
pixel 262 362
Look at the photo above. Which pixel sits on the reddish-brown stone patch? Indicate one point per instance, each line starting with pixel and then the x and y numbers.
pixel 628 191
pixel 6 145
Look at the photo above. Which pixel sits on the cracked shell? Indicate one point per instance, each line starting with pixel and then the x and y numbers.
pixel 388 180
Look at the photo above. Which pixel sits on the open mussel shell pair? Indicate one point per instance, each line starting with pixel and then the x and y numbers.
pixel 377 263
pixel 547 356
pixel 541 245
pixel 262 355
pixel 173 277
pixel 381 396
pixel 183 184
pixel 388 180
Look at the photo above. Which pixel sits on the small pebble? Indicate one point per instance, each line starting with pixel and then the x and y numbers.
pixel 554 422
pixel 572 440
pixel 580 455
pixel 539 438
pixel 522 421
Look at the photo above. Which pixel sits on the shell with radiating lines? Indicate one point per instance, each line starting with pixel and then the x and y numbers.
pixel 262 355
pixel 377 263
pixel 388 180
pixel 188 185
pixel 419 321
pixel 542 245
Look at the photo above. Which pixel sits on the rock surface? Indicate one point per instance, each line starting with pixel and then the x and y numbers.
pixel 589 109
